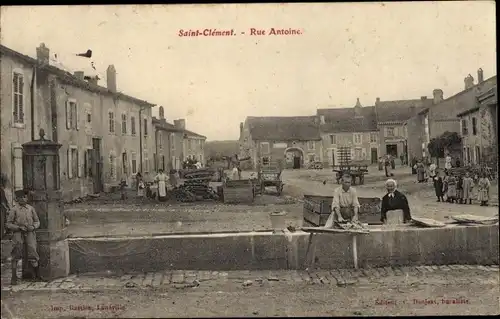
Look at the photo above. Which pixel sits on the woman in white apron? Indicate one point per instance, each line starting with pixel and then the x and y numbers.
pixel 161 179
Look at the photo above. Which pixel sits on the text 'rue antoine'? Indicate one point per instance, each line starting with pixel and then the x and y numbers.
pixel 231 32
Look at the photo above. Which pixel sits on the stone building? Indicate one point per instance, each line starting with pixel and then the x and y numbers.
pixel 478 129
pixel 441 116
pixel 391 118
pixel 354 128
pixel 174 143
pixel 105 135
pixel 292 142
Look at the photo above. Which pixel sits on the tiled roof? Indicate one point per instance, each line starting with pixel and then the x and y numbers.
pixel 400 110
pixel 342 120
pixel 293 128
pixel 162 124
pixel 68 78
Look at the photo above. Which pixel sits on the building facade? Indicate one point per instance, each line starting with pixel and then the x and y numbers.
pixel 106 136
pixel 441 116
pixel 353 128
pixel 478 129
pixel 290 142
pixel 175 144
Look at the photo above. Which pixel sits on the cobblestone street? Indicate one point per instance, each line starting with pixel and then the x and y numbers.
pixel 425 290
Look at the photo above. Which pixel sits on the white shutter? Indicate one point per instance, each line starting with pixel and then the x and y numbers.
pixel 68 112
pixel 385 131
pixel 77 117
pixel 79 166
pixel 70 173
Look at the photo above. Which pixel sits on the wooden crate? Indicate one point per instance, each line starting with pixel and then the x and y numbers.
pixel 317 209
pixel 238 192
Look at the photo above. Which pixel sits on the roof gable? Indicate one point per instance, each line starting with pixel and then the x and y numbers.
pixel 344 120
pixel 399 110
pixel 293 128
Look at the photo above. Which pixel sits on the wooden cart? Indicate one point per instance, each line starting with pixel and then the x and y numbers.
pixel 356 171
pixel 270 176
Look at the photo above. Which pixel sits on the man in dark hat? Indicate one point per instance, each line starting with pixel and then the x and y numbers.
pixel 23 221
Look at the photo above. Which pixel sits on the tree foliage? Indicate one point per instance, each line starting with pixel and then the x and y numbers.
pixel 447 141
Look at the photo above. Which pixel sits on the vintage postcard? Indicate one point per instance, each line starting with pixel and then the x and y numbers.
pixel 249 160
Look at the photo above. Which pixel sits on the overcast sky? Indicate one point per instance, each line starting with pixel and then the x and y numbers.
pixel 365 50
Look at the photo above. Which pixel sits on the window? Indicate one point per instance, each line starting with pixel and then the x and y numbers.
pixel 125 163
pixel 465 130
pixel 357 138
pixel 134 163
pixel 146 127
pixel 264 146
pixel 111 117
pixel 189 144
pixel 478 155
pixel 132 125
pixel 89 118
pixel 160 140
pixel 474 126
pixel 18 97
pixel 201 144
pixel 71 115
pixel 373 137
pixel 124 123
pixel 146 161
pixel 389 131
pixel 265 160
pixel 333 139
pixel 112 166
pixel 467 156
pixel 172 141
pixel 311 145
pixel 73 162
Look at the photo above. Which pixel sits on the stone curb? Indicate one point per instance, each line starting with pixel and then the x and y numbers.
pixel 179 279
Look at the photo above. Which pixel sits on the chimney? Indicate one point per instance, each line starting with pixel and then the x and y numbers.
pixel 180 124
pixel 377 100
pixel 79 75
pixel 357 108
pixel 438 96
pixel 480 77
pixel 469 82
pixel 111 78
pixel 423 98
pixel 42 54
pixel 161 113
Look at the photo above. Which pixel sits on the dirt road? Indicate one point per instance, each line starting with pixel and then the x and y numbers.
pixel 472 294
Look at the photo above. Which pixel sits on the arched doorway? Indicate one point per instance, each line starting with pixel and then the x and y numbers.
pixel 294 157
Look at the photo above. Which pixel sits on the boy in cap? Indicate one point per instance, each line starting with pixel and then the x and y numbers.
pixel 23 221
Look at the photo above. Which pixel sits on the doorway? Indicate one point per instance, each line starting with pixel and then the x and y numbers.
pixel 97 165
pixel 392 149
pixel 296 162
pixel 374 156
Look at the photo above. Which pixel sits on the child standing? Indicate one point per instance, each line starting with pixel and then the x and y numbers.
pixel 483 194
pixel 451 193
pixel 459 189
pixel 438 187
pixel 467 188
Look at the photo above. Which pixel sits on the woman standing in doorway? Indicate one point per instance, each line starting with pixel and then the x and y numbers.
pixel 161 179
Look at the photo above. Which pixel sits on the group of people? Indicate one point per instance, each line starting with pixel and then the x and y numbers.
pixel 460 189
pixel 162 181
pixel 345 204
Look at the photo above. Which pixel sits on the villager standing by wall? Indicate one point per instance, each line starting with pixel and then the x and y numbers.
pixel 23 221
pixel 394 200
pixel 161 180
pixel 483 194
pixel 139 185
pixel 420 172
pixel 467 184
pixel 438 187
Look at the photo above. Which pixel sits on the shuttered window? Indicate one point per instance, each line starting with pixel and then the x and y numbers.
pixel 71 115
pixel 18 97
pixel 111 118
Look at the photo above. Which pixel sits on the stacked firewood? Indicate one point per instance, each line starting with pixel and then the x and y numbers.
pixel 196 186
